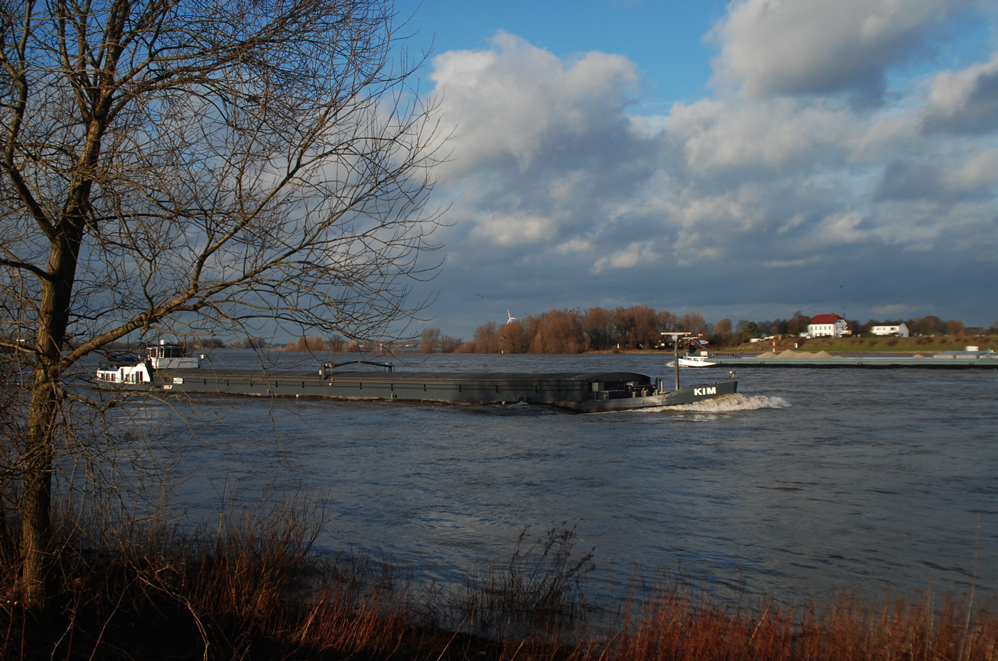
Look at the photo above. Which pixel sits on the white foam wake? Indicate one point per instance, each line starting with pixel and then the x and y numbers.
pixel 728 404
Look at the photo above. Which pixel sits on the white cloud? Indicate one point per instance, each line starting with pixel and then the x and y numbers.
pixel 762 191
pixel 795 263
pixel 502 103
pixel 894 310
pixel 842 228
pixel 979 171
pixel 515 229
pixel 576 245
pixel 819 46
pixel 540 147
pixel 768 133
pixel 731 211
pixel 964 101
pixel 636 254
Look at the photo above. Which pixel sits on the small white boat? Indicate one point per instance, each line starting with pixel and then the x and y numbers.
pixel 693 361
pixel 694 358
pixel 162 356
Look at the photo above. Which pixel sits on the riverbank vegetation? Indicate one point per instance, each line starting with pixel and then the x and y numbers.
pixel 637 327
pixel 640 328
pixel 316 344
pixel 875 344
pixel 254 588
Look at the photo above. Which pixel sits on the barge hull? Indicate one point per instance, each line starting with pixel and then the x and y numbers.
pixel 688 395
pixel 578 392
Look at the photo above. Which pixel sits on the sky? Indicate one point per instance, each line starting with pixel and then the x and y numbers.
pixel 741 159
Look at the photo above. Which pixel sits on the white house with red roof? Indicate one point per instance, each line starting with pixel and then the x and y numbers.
pixel 827 325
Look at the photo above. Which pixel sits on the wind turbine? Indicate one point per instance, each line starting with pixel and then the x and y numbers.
pixel 511 318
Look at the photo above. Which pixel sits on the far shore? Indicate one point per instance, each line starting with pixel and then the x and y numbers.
pixel 860 344
pixel 871 344
pixel 850 345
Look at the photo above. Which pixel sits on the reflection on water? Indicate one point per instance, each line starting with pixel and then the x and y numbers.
pixel 805 483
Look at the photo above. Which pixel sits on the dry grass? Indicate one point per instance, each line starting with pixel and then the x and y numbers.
pixel 537 594
pixel 251 589
pixel 874 344
pixel 672 625
pixel 254 589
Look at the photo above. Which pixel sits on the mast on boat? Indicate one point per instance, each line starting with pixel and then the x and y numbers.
pixel 675 335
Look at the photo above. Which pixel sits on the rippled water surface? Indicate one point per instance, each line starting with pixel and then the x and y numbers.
pixel 806 483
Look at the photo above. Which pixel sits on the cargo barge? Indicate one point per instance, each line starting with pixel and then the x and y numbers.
pixel 167 370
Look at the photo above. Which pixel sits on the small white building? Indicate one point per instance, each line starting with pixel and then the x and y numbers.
pixel 827 325
pixel 900 330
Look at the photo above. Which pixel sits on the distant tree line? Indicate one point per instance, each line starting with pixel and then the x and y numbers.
pixel 304 344
pixel 574 331
pixel 795 325
pixel 432 341
pixel 931 325
pixel 639 327
pixel 317 344
pixel 927 325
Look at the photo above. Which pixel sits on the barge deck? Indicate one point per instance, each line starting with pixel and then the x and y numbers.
pixel 168 371
pixel 579 392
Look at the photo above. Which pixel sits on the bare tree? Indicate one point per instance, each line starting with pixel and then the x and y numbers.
pixel 798 323
pixel 484 338
pixel 555 331
pixel 638 326
pixel 598 329
pixel 512 337
pixel 449 343
pixel 693 322
pixel 722 334
pixel 170 165
pixel 429 341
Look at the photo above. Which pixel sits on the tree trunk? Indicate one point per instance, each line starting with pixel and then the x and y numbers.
pixel 310 214
pixel 43 416
pixel 36 522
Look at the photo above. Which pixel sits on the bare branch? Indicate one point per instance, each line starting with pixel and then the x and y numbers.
pixel 168 163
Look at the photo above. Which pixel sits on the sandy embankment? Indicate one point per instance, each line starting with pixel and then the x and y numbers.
pixel 799 355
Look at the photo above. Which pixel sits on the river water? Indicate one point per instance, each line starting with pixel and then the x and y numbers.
pixel 806 484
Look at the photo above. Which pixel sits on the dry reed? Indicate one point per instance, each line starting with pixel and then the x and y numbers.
pixel 255 589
